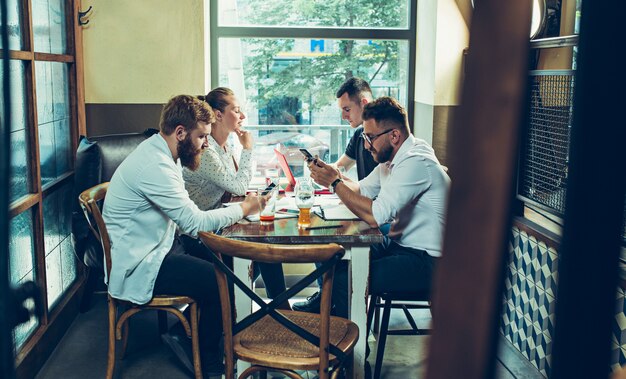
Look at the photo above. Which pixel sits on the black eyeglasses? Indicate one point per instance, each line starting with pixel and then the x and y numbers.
pixel 371 139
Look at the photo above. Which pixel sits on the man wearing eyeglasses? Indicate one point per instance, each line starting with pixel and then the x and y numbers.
pixel 408 189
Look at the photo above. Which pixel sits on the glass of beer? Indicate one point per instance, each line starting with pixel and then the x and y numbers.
pixel 304 200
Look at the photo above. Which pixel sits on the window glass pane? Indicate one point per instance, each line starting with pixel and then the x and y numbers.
pixel 51 217
pixel 68 263
pixel 290 83
pixel 20 178
pixel 54 282
pixel 49 26
pixel 21 247
pixel 21 266
pixel 53 110
pixel 329 13
pixel 14 14
pixel 52 241
pixel 60 261
pixel 43 76
pixel 47 155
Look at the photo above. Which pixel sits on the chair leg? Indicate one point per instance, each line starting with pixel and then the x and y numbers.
pixel 382 339
pixel 410 319
pixel 163 327
pixel 111 352
pixel 124 338
pixel 370 314
pixel 377 316
pixel 349 365
pixel 195 344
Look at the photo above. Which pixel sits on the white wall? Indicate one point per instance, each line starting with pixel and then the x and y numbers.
pixel 442 35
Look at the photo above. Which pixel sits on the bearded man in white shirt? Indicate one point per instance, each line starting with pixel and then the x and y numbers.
pixel 146 202
pixel 408 189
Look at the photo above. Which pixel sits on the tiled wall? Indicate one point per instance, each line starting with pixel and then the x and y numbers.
pixel 529 299
pixel 528 311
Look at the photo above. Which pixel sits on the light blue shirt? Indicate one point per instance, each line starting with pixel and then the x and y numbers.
pixel 411 193
pixel 145 202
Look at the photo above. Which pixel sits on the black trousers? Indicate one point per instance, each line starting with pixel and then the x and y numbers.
pixel 393 268
pixel 182 273
pixel 272 273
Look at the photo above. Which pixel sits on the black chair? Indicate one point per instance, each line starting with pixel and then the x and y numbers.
pixel 404 301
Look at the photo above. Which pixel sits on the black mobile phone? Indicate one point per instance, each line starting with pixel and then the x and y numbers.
pixel 268 189
pixel 309 156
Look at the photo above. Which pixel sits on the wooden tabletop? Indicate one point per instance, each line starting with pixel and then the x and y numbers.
pixel 286 231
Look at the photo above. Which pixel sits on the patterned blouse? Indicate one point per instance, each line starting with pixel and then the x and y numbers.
pixel 217 175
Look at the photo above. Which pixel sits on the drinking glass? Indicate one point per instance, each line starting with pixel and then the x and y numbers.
pixel 304 200
pixel 269 210
pixel 272 175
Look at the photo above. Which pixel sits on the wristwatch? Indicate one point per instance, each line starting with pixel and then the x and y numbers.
pixel 332 186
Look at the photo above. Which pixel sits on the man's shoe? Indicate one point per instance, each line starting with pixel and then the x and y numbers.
pixel 181 347
pixel 311 305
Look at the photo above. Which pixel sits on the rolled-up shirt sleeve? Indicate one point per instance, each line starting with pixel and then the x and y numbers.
pixel 165 189
pixel 370 185
pixel 403 186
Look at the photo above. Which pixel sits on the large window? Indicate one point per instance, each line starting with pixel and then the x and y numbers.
pixel 286 60
pixel 42 72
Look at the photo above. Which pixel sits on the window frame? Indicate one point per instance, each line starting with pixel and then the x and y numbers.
pixel 33 201
pixel 408 34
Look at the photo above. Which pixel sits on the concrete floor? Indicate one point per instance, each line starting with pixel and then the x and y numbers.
pixel 82 351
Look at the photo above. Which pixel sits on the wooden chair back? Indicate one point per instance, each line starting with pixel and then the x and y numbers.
pixel 89 202
pixel 330 254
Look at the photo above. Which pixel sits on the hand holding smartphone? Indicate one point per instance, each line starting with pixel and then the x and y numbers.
pixel 268 189
pixel 309 156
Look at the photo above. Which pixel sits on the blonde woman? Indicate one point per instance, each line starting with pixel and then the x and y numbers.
pixel 221 175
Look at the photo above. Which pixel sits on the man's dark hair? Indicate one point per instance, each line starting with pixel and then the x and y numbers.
pixel 184 110
pixel 355 88
pixel 388 112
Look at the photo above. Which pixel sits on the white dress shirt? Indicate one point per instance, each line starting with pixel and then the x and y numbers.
pixel 410 192
pixel 145 203
pixel 217 174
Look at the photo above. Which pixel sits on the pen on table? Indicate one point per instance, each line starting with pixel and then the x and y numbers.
pixel 323 227
pixel 322 212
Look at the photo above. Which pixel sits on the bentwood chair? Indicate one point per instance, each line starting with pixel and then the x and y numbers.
pixel 284 341
pixel 404 301
pixel 119 325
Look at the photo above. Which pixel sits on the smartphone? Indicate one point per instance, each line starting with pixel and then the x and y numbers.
pixel 268 189
pixel 309 156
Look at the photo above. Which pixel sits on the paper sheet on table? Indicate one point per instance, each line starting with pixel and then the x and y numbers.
pixel 335 212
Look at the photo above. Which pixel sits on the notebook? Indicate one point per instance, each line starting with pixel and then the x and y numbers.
pixel 282 161
pixel 336 212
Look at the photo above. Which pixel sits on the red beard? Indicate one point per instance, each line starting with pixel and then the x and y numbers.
pixel 188 154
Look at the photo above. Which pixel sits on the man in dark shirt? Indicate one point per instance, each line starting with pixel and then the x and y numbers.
pixel 352 96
